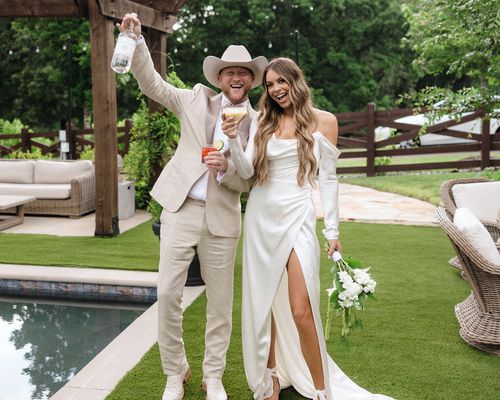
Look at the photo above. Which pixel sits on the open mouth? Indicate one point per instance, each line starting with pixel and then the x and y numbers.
pixel 281 97
pixel 236 86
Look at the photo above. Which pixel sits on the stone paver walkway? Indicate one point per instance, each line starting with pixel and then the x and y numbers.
pixel 362 204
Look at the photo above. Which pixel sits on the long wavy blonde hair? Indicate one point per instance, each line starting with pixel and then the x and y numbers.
pixel 271 113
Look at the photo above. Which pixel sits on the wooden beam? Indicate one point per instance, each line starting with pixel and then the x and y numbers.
pixel 166 6
pixel 39 8
pixel 150 17
pixel 104 105
pixel 157 44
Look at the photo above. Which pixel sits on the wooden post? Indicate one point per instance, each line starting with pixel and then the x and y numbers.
pixel 70 138
pixel 157 44
pixel 104 105
pixel 25 140
pixel 485 143
pixel 126 139
pixel 370 140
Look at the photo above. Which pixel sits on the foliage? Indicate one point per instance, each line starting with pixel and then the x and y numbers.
pixel 87 154
pixel 349 49
pixel 11 127
pixel 153 140
pixel 458 38
pixel 155 209
pixel 34 154
pixel 35 57
pixel 444 102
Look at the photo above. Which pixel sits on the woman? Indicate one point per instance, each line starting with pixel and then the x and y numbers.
pixel 283 342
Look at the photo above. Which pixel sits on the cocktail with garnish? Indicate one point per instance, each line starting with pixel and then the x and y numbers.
pixel 217 146
pixel 238 113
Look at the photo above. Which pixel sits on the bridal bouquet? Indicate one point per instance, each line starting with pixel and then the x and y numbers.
pixel 352 285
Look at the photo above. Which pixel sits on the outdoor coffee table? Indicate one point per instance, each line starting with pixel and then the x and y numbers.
pixel 7 201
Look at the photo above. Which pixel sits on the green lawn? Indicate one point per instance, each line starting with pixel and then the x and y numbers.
pixel 417 159
pixel 409 347
pixel 137 249
pixel 421 186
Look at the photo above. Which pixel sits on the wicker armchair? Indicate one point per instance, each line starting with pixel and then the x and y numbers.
pixel 479 314
pixel 449 203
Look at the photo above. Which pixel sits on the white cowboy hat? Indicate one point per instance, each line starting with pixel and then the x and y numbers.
pixel 234 56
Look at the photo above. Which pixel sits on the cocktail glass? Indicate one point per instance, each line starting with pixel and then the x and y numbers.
pixel 205 150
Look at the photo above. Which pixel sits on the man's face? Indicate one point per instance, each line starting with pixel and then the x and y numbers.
pixel 235 83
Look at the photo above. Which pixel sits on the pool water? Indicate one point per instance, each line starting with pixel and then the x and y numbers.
pixel 43 345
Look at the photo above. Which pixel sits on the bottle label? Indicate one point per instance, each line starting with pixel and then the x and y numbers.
pixel 125 46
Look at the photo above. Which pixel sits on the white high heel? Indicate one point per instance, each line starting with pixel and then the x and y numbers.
pixel 319 395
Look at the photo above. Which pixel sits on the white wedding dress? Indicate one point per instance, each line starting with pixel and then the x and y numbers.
pixel 280 217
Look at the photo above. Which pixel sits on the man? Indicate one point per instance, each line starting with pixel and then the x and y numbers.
pixel 201 205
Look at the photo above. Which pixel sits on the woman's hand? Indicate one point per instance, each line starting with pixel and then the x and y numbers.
pixel 229 127
pixel 127 19
pixel 333 246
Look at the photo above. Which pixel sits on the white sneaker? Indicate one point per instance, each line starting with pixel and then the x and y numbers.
pixel 214 388
pixel 174 390
pixel 319 395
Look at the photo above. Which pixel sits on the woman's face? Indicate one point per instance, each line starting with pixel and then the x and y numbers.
pixel 278 89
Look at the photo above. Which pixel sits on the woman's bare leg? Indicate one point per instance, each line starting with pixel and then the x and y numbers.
pixel 304 320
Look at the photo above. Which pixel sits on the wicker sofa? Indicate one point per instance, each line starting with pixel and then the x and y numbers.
pixel 64 188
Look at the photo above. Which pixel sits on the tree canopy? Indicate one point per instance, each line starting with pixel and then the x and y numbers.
pixel 352 52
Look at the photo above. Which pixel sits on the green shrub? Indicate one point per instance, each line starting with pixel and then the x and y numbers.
pixel 35 154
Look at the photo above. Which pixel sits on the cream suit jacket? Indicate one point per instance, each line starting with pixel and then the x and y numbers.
pixel 197 109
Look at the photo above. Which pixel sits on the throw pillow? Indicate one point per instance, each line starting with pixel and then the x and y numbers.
pixel 477 234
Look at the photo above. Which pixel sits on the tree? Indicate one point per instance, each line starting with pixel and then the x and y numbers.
pixel 349 49
pixel 460 38
pixel 35 70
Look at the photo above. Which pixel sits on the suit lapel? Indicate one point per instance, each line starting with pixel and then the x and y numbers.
pixel 213 109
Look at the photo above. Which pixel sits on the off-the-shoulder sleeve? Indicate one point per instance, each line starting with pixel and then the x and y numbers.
pixel 243 159
pixel 329 187
pixel 154 86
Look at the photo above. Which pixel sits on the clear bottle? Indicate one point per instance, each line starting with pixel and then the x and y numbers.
pixel 124 49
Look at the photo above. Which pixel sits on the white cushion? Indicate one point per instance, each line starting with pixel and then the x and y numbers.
pixel 40 191
pixel 482 198
pixel 17 171
pixel 477 234
pixel 60 171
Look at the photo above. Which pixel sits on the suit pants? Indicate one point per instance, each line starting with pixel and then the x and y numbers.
pixel 181 233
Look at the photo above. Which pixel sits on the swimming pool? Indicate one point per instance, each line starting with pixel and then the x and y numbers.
pixel 43 344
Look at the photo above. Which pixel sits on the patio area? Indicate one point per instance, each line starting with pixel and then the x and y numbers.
pixel 64 226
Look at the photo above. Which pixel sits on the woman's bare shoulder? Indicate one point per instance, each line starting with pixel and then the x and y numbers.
pixel 327 125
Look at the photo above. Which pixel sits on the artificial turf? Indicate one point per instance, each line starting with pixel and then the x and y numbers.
pixel 409 347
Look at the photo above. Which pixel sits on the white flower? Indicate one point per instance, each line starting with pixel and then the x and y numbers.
pixel 361 276
pixel 353 289
pixel 345 277
pixel 330 291
pixel 370 286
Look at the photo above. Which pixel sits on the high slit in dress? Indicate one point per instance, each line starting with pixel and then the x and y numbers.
pixel 280 217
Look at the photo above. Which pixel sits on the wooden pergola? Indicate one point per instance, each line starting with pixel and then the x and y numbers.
pixel 158 17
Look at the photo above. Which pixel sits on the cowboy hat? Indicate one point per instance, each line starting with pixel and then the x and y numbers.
pixel 234 56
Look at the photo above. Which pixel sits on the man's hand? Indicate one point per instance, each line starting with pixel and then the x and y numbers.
pixel 216 161
pixel 127 19
pixel 229 126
